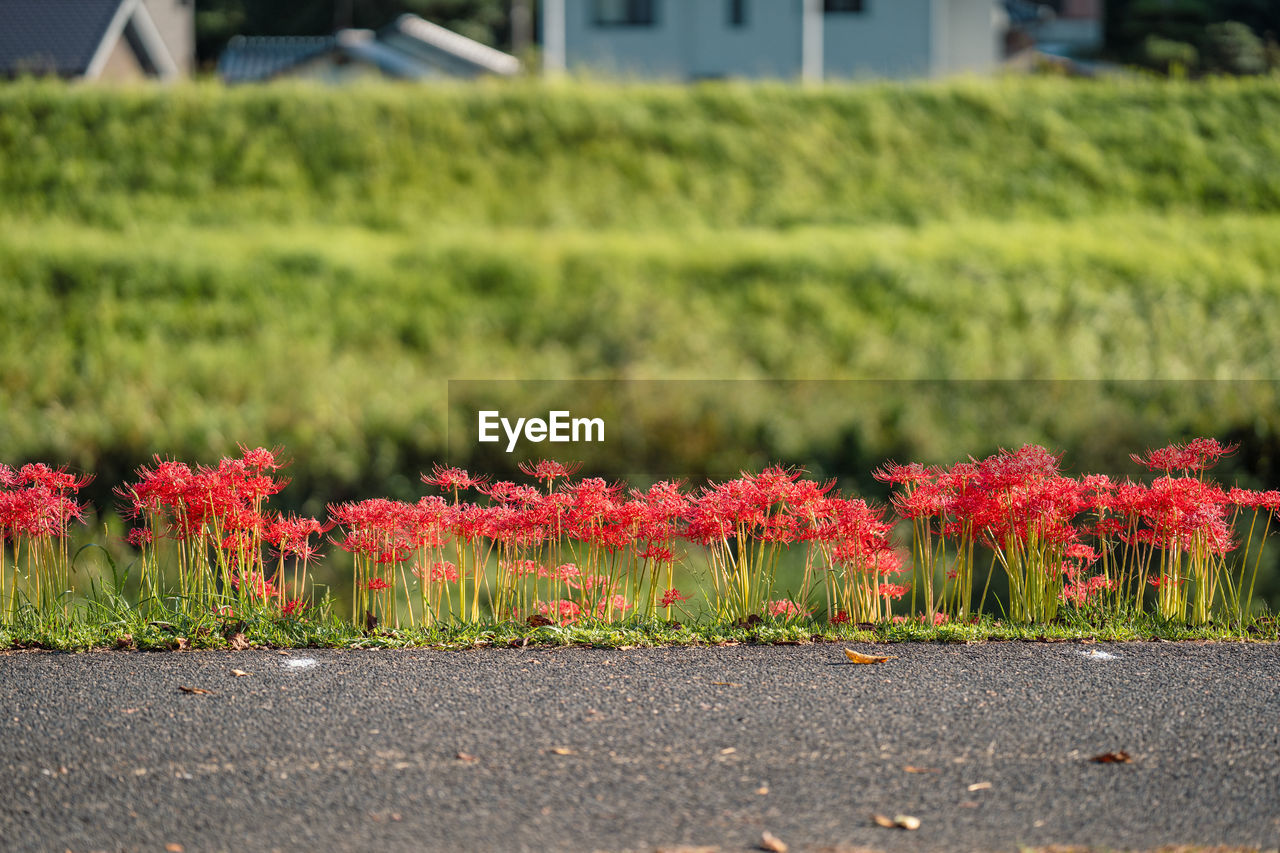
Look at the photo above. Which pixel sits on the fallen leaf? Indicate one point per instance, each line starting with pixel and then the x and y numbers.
pixel 284 652
pixel 762 790
pixel 728 750
pixel 726 684
pixel 684 848
pixel 979 786
pixel 1117 757
pixel 859 657
pixel 173 848
pixel 912 769
pixel 466 756
pixel 237 642
pixel 124 641
pixel 181 643
pixel 561 750
pixel 902 821
pixel 772 843
pixel 239 673
pixel 198 690
pixel 537 620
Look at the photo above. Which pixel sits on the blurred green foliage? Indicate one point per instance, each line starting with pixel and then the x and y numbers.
pixel 597 156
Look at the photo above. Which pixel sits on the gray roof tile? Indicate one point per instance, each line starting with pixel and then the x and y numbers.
pixel 51 36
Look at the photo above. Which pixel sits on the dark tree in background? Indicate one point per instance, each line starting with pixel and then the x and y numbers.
pixel 486 21
pixel 1227 36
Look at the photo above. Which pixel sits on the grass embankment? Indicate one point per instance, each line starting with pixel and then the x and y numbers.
pixel 662 157
pixel 336 342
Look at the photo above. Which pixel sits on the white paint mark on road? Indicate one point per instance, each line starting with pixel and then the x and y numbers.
pixel 1094 654
pixel 299 663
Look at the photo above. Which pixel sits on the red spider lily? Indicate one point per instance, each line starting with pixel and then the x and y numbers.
pixel 673 596
pixel 254 585
pixel 894 590
pixel 563 573
pixel 377 585
pixel 785 609
pixel 548 471
pixel 452 479
pixel 437 572
pixel 37 506
pixel 1197 455
pixel 291 536
pixel 911 474
pixel 521 568
pixel 565 611
pixel 611 604
pixel 1081 591
pixel 1249 499
pixel 293 607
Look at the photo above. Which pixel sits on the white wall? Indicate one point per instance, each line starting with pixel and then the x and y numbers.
pixel 965 37
pixel 691 39
pixel 889 38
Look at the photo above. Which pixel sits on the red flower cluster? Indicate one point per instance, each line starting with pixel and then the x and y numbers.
pixel 38 502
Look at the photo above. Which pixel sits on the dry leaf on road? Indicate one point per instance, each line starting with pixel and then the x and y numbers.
pixel 561 750
pixel 197 690
pixel 772 843
pixel 239 673
pixel 1117 757
pixel 859 657
pixel 979 786
pixel 902 821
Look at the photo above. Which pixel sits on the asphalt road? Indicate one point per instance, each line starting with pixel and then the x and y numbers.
pixel 989 746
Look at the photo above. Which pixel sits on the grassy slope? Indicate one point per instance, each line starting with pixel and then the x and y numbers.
pixel 600 156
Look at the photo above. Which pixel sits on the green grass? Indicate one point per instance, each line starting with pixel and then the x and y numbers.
pixel 186 341
pixel 129 631
pixel 587 155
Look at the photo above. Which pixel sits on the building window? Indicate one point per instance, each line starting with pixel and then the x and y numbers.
pixel 624 13
pixel 737 13
pixel 842 6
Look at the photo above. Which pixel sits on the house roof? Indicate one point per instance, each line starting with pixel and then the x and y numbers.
pixel 261 58
pixel 409 48
pixel 434 42
pixel 52 36
pixel 72 38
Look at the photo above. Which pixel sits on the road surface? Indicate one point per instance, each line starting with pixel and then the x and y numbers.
pixel 576 749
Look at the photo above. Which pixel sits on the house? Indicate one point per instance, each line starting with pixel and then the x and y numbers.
pixel 787 39
pixel 110 40
pixel 409 48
